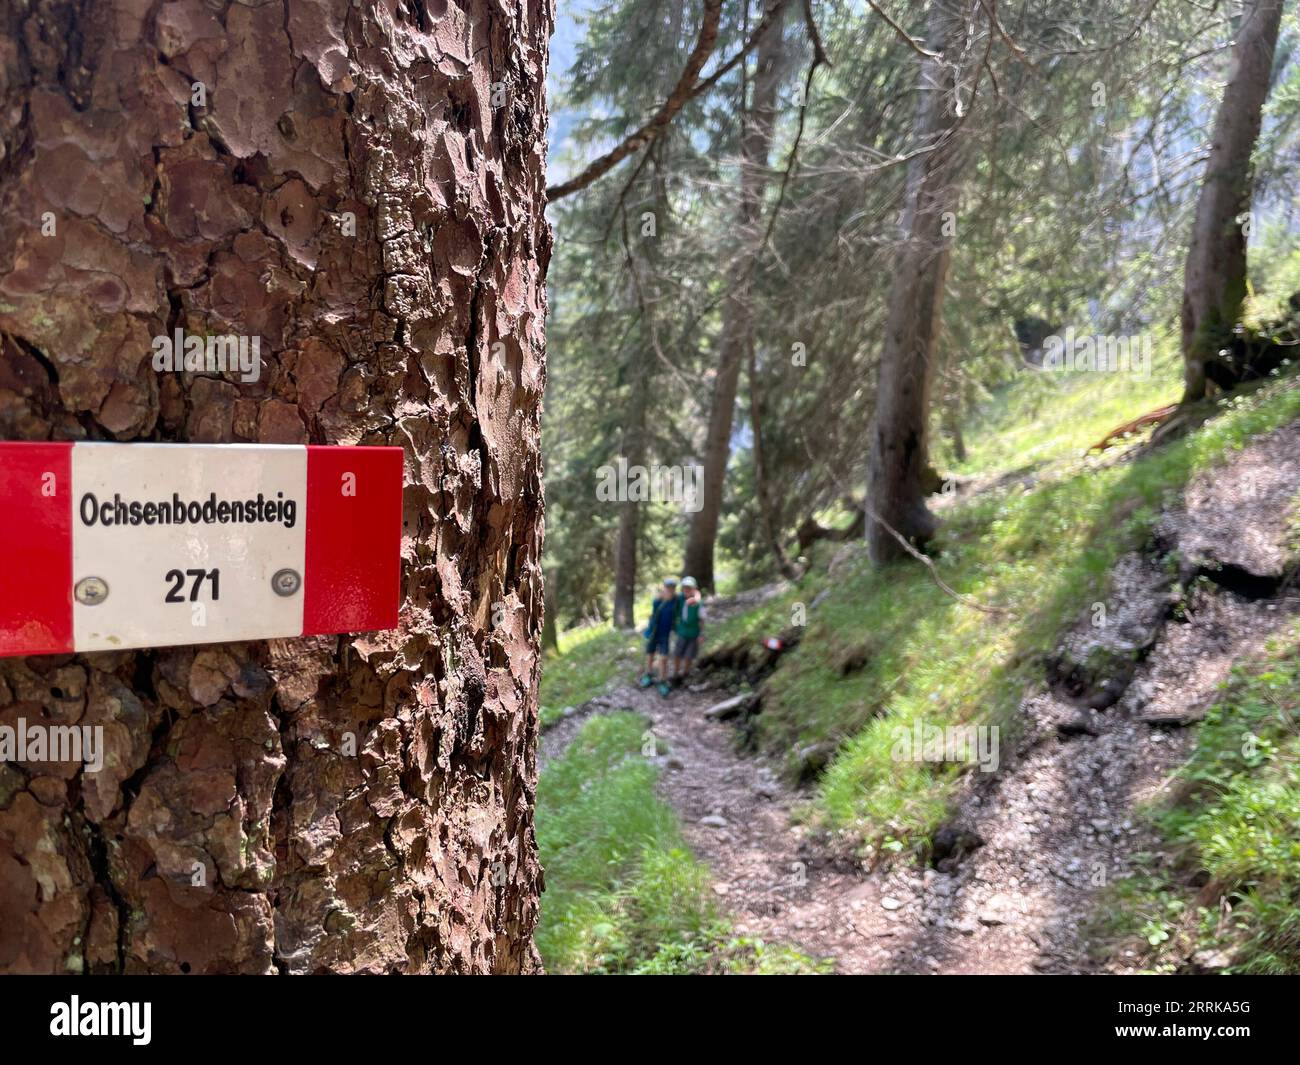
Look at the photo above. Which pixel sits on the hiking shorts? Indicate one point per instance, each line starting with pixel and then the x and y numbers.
pixel 687 648
pixel 657 644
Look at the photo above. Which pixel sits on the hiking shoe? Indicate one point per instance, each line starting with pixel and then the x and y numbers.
pixel 646 680
pixel 664 689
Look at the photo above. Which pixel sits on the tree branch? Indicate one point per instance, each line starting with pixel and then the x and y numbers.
pixel 819 58
pixel 677 99
pixel 686 89
pixel 928 562
pixel 925 560
pixel 912 42
pixel 991 9
pixel 819 50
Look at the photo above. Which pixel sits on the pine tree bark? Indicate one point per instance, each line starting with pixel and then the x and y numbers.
pixel 1214 280
pixel 364 192
pixel 737 316
pixel 898 468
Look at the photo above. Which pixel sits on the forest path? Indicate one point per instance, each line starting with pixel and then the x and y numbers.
pixel 1058 821
pixel 737 816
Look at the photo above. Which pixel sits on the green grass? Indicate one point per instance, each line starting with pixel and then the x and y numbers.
pixel 1234 824
pixel 1044 553
pixel 590 657
pixel 623 893
pixel 613 854
pixel 1046 417
pixel 1275 278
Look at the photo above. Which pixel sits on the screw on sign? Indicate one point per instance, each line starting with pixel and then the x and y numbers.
pixel 91 590
pixel 111 546
pixel 286 582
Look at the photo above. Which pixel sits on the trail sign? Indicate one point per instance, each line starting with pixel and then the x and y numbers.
pixel 110 546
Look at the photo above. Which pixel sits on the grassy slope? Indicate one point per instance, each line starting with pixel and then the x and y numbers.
pixel 1044 553
pixel 1050 417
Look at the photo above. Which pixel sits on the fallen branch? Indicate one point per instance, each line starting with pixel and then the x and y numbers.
pixel 811 531
pixel 1154 417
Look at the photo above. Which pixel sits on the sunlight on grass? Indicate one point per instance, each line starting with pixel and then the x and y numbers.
pixel 1241 817
pixel 1046 417
pixel 1275 279
pixel 598 826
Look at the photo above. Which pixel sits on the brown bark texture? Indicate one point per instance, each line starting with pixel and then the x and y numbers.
pixel 1214 278
pixel 897 468
pixel 737 317
pixel 360 186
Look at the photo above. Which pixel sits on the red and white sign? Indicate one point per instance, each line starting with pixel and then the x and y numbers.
pixel 110 546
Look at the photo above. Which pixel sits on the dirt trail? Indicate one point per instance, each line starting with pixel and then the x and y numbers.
pixel 1058 820
pixel 1057 823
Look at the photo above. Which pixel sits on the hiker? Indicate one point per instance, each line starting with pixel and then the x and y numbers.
pixel 658 631
pixel 687 627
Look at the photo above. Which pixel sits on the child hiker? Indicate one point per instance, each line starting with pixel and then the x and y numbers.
pixel 688 629
pixel 658 632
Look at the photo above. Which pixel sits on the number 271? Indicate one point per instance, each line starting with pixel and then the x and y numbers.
pixel 175 594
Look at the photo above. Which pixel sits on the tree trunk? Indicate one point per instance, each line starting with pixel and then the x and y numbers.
pixel 550 630
pixel 625 566
pixel 771 528
pixel 629 518
pixel 956 436
pixel 952 396
pixel 737 317
pixel 898 469
pixel 364 193
pixel 1214 280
